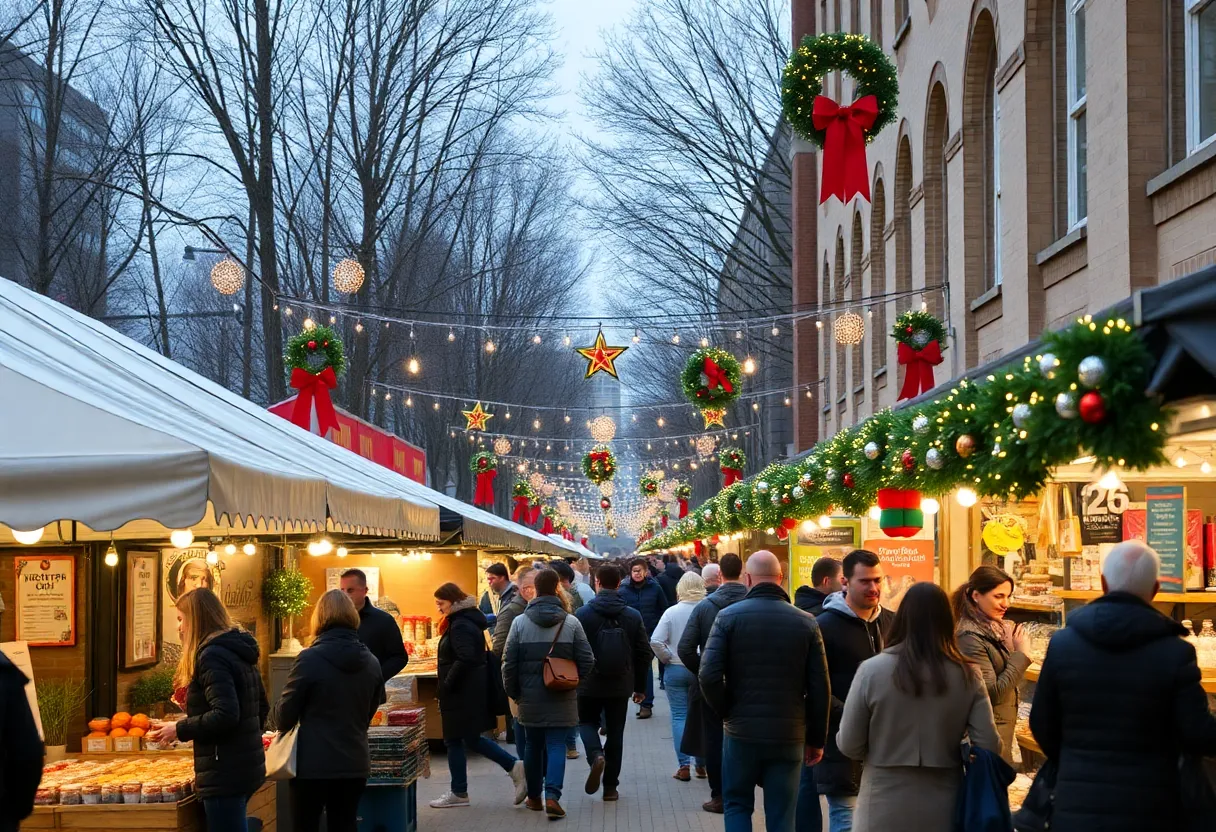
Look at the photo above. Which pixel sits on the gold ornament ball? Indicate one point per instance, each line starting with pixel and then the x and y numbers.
pixel 603 429
pixel 227 277
pixel 849 329
pixel 537 480
pixel 964 446
pixel 348 276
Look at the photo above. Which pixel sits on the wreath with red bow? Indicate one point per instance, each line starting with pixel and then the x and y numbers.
pixel 648 485
pixel 314 359
pixel 712 378
pixel 599 464
pixel 921 340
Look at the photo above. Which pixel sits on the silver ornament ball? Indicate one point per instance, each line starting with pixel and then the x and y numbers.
pixel 920 424
pixel 871 450
pixel 797 492
pixel 1091 371
pixel 1066 405
pixel 1048 363
pixel 806 478
pixel 935 459
pixel 707 514
pixel 830 475
pixel 920 338
pixel 775 500
pixel 1021 415
pixel 762 487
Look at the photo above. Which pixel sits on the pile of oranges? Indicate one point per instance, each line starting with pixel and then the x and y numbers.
pixel 122 724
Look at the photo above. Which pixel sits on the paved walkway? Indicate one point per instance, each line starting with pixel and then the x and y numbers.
pixel 651 799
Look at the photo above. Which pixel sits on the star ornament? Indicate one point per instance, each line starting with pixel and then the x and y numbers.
pixel 600 357
pixel 476 418
pixel 713 416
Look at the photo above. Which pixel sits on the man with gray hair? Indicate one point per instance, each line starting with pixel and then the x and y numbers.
pixel 711 573
pixel 1118 702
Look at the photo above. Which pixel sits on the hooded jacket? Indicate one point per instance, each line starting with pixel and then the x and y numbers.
pixel 462 692
pixel 21 758
pixel 809 599
pixel 332 693
pixel 847 641
pixel 763 671
pixel 533 635
pixel 379 631
pixel 606 606
pixel 648 598
pixel 668 579
pixel 1118 700
pixel 226 710
pixel 1002 670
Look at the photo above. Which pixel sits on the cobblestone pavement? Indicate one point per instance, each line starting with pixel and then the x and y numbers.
pixel 651 799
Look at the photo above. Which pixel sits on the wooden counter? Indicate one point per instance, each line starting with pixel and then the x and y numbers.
pixel 183 816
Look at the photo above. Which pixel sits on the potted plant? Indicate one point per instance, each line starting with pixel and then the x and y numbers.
pixel 152 690
pixel 285 595
pixel 59 703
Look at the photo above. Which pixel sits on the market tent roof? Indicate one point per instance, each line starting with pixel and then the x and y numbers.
pixel 1178 321
pixel 478 527
pixel 99 429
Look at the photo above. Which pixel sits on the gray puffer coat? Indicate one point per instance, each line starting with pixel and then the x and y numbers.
pixel 1003 670
pixel 529 642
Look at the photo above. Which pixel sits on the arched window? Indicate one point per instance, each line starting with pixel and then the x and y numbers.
pixel 903 225
pixel 981 161
pixel 825 334
pixel 856 377
pixel 937 215
pixel 876 22
pixel 876 322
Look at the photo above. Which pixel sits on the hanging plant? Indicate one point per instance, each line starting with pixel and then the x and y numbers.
pixel 599 464
pixel 711 378
pixel 285 593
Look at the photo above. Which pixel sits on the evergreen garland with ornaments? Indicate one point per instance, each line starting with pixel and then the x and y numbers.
pixel 1081 394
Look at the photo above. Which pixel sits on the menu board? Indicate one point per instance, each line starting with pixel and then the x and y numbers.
pixel 809 544
pixel 46 600
pixel 1165 532
pixel 141 619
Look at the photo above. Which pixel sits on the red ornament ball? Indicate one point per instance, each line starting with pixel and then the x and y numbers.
pixel 481 463
pixel 908 329
pixel 848 480
pixel 1092 407
pixel 325 344
pixel 312 345
pixel 908 460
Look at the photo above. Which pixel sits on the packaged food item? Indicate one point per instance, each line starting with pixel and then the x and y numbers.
pixel 46 796
pixel 111 794
pixel 90 794
pixel 171 792
pixel 132 792
pixel 70 794
pixel 151 793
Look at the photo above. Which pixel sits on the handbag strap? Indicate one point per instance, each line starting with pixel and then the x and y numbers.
pixel 553 645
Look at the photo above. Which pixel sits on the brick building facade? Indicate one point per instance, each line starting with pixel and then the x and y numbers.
pixel 1051 157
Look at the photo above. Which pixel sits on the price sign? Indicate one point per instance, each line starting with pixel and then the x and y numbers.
pixel 1102 513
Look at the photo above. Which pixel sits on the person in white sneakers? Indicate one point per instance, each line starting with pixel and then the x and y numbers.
pixel 463 695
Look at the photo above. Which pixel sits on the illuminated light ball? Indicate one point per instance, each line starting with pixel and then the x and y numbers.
pixel 213 557
pixel 348 276
pixel 537 480
pixel 966 497
pixel 548 489
pixel 875 513
pixel 1048 364
pixel 920 424
pixel 1021 414
pixel 762 487
pixel 502 446
pixel 1066 405
pixel 603 429
pixel 798 492
pixel 849 329
pixel 935 459
pixel 964 446
pixel 930 505
pixel 1092 408
pixel 29 537
pixel 706 445
pixel 1091 371
pixel 871 450
pixel 607 489
pixel 250 548
pixel 181 538
pixel 227 276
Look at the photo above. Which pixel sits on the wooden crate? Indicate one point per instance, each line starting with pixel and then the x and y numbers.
pixel 183 816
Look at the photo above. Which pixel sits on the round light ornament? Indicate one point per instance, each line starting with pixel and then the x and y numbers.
pixel 1091 371
pixel 797 492
pixel 707 515
pixel 502 446
pixel 706 445
pixel 1021 414
pixel 348 276
pixel 830 475
pixel 603 429
pixel 849 329
pixel 762 487
pixel 227 276
pixel 1066 405
pixel 775 500
pixel 1048 364
pixel 920 424
pixel 607 489
pixel 964 446
pixel 871 450
pixel 537 480
pixel 548 489
pixel 935 459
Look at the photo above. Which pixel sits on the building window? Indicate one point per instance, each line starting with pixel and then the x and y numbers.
pixel 1200 73
pixel 876 21
pixel 901 14
pixel 995 139
pixel 1078 207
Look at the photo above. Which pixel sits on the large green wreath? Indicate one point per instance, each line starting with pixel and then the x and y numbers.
pixel 305 347
pixel 855 55
pixel 916 329
pixel 483 461
pixel 522 488
pixel 648 485
pixel 599 464
pixel 696 386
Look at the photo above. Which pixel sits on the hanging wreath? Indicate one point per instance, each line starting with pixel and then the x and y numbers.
pixel 315 359
pixel 648 485
pixel 732 461
pixel 683 494
pixel 711 378
pixel 842 131
pixel 921 340
pixel 599 464
pixel 550 515
pixel 522 493
pixel 484 466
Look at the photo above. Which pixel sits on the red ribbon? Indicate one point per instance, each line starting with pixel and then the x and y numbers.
pixel 547 528
pixel 663 521
pixel 730 476
pixel 845 171
pixel 716 377
pixel 520 515
pixel 697 547
pixel 583 542
pixel 484 495
pixel 534 514
pixel 918 377
pixel 314 387
pixel 683 509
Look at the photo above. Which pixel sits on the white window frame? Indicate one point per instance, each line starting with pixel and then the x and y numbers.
pixel 996 186
pixel 1193 139
pixel 1076 109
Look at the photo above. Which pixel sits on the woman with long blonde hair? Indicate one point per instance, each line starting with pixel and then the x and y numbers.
pixel 225 707
pixel 331 694
pixel 665 642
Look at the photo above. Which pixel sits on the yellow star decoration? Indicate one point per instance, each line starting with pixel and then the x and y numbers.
pixel 476 418
pixel 600 357
pixel 713 416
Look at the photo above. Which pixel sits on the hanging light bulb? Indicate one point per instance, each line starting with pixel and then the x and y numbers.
pixel 1110 480
pixel 738 335
pixel 749 365
pixel 637 336
pixel 342 551
pixel 309 324
pixel 966 498
pixel 451 335
pixel 875 513
pixel 250 548
pixel 661 421
pixel 675 338
pixel 776 330
pixel 111 559
pixel 1206 467
pixel 435 405
pixel 28 538
pixel 359 327
pixel 704 342
pixel 181 538
pixel 566 340
pixel 930 505
pixel 490 346
pixel 536 424
pixel 787 401
pixel 348 276
pixel 213 557
pixel 825 522
pixel 535 339
pixel 409 401
pixel 413 366
pixel 230 549
pixel 1180 461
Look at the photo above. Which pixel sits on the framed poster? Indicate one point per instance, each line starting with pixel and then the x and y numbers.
pixel 46 600
pixel 809 544
pixel 141 611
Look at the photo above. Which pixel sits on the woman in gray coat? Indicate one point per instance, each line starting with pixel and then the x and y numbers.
pixel 907 712
pixel 993 644
pixel 545 629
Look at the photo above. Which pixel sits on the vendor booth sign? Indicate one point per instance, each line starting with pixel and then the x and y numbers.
pixel 809 544
pixel 46 600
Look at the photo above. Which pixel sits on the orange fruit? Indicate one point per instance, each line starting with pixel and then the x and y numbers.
pixel 99 724
pixel 120 720
pixel 118 732
pixel 97 734
pixel 135 731
pixel 140 721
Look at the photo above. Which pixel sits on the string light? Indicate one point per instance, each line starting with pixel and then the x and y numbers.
pixel 451 335
pixel 535 339
pixel 413 366
pixel 637 336
pixel 675 338
pixel 490 346
pixel 749 365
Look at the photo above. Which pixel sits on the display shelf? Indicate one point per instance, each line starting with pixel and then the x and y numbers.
pixel 1208 682
pixel 1162 597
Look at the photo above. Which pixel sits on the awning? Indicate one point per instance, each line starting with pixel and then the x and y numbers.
pixel 97 428
pixel 478 527
pixel 1178 321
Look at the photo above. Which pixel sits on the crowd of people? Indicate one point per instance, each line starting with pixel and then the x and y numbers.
pixel 829 696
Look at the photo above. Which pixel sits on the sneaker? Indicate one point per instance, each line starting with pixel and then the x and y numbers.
pixel 571 753
pixel 450 800
pixel 521 784
pixel 713 806
pixel 611 795
pixel 644 712
pixel 701 773
pixel 682 774
pixel 535 804
pixel 597 771
pixel 554 810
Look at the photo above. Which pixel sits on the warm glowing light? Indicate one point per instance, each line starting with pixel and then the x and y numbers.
pixel 749 365
pixel 213 557
pixel 875 513
pixel 181 538
pixel 1206 467
pixel 825 522
pixel 348 276
pixel 809 526
pixel 342 551
pixel 28 538
pixel 1180 461
pixel 413 366
pixel 227 277
pixel 230 549
pixel 930 505
pixel 250 548
pixel 111 558
pixel 966 497
pixel 490 346
pixel 1110 481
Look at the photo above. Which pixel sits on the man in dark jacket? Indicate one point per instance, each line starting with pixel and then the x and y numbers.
pixel 525 584
pixel 20 749
pixel 670 577
pixel 499 594
pixel 377 629
pixel 1118 702
pixel 854 628
pixel 622 654
pixel 692 645
pixel 645 595
pixel 773 702
pixel 825 580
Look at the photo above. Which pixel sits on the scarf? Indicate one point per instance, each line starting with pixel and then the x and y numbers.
pixel 466 603
pixel 975 621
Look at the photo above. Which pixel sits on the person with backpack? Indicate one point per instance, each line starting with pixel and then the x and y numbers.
pixel 622 655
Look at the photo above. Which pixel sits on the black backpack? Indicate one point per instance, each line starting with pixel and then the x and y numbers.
pixel 613 653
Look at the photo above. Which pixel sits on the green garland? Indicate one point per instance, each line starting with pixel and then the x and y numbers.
pixel 683 491
pixel 733 458
pixel 320 340
pixel 966 437
pixel 522 488
pixel 648 485
pixel 285 593
pixel 858 57
pixel 693 378
pixel 483 461
pixel 601 469
pixel 916 329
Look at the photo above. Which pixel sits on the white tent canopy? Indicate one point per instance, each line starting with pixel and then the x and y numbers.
pixel 97 428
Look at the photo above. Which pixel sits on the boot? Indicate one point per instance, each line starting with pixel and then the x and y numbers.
pixel 682 774
pixel 713 806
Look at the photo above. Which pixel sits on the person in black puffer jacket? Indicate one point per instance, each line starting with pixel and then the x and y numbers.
pixel 646 595
pixel 226 709
pixel 825 580
pixel 331 694
pixel 21 757
pixel 1118 701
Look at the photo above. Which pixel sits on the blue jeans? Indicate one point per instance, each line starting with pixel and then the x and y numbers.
pixel 225 814
pixel 572 739
pixel 546 761
pixel 648 702
pixel 458 761
pixel 679 681
pixel 840 812
pixel 810 812
pixel 775 767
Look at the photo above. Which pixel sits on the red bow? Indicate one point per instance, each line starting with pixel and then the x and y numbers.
pixel 730 476
pixel 918 378
pixel 663 520
pixel 534 514
pixel 683 509
pixel 484 495
pixel 520 515
pixel 716 377
pixel 583 542
pixel 845 171
pixel 697 547
pixel 547 528
pixel 314 387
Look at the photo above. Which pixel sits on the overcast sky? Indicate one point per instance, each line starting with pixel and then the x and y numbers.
pixel 579 24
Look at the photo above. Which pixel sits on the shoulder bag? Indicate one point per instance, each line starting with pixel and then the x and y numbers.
pixel 559 674
pixel 281 755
